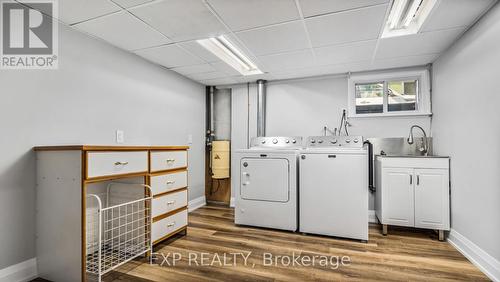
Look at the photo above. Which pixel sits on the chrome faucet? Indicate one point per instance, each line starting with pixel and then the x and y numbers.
pixel 410 141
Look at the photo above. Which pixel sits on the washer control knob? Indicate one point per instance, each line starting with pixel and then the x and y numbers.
pixel 320 141
pixel 334 141
pixel 294 141
pixel 287 141
pixel 356 140
pixel 313 141
pixel 263 141
pixel 348 140
pixel 275 141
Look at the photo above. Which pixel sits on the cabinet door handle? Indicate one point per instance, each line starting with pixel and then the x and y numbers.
pixel 418 179
pixel 411 179
pixel 170 160
pixel 170 182
pixel 170 203
pixel 121 163
pixel 171 224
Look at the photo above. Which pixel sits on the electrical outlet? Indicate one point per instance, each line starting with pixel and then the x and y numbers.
pixel 190 139
pixel 120 136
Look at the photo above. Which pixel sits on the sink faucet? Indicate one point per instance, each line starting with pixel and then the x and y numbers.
pixel 410 141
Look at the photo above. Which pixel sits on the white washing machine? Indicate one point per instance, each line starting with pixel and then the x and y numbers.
pixel 265 182
pixel 333 193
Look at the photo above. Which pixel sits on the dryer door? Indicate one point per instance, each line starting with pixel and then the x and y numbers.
pixel 265 179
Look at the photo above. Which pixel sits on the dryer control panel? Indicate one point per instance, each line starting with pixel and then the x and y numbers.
pixel 334 141
pixel 278 142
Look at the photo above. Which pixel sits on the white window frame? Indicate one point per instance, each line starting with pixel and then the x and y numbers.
pixel 423 101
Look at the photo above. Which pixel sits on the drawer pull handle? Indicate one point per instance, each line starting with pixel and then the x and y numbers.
pixel 170 203
pixel 121 163
pixel 170 182
pixel 171 224
pixel 170 160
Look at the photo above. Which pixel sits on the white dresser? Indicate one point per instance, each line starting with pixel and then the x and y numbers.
pixel 67 174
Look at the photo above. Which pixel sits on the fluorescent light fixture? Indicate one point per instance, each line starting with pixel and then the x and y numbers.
pixel 227 52
pixel 407 16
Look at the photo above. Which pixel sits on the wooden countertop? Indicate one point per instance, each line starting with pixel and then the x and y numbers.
pixel 106 148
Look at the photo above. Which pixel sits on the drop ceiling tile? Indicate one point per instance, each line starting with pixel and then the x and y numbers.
pixel 341 54
pixel 292 60
pixel 180 20
pixel 75 11
pixel 417 44
pixel 343 27
pixel 207 75
pixel 198 50
pixel 130 3
pixel 275 39
pixel 219 81
pixel 311 71
pixel 169 56
pixel 319 7
pixel 244 14
pixel 404 61
pixel 123 30
pixel 253 78
pixel 224 68
pixel 188 70
pixel 455 13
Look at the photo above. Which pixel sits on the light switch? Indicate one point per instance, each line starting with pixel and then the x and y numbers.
pixel 120 136
pixel 190 139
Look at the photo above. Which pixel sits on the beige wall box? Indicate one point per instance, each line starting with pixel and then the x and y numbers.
pixel 220 159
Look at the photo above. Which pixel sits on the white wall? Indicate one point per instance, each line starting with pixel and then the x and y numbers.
pixel 303 107
pixel 466 126
pixel 96 90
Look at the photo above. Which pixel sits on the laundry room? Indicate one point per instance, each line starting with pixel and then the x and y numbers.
pixel 249 140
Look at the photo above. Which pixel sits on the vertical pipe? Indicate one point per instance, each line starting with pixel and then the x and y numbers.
pixel 261 108
pixel 212 121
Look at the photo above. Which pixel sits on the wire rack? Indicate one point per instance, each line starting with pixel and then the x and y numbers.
pixel 120 231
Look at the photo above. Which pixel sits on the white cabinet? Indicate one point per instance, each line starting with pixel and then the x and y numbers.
pixel 432 199
pixel 398 196
pixel 413 192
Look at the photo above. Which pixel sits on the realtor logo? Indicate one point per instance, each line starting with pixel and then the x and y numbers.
pixel 28 35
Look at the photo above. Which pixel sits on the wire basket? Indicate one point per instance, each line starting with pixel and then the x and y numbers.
pixel 120 231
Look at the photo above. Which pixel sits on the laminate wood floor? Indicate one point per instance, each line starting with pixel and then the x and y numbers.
pixel 403 255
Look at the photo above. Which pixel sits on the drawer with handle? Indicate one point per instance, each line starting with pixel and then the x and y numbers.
pixel 165 160
pixel 169 202
pixel 168 225
pixel 100 164
pixel 167 182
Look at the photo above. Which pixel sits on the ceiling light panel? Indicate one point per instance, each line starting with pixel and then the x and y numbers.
pixel 407 16
pixel 228 53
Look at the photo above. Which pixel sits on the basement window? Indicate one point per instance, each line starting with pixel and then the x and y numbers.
pixel 389 94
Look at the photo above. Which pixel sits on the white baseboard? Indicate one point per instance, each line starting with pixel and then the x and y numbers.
pixel 372 218
pixel 197 203
pixel 484 261
pixel 231 202
pixel 23 271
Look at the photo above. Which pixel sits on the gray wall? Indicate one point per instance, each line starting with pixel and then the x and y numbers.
pixel 302 107
pixel 97 89
pixel 222 114
pixel 466 126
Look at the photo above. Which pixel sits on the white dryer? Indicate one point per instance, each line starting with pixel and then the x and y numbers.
pixel 334 187
pixel 265 182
